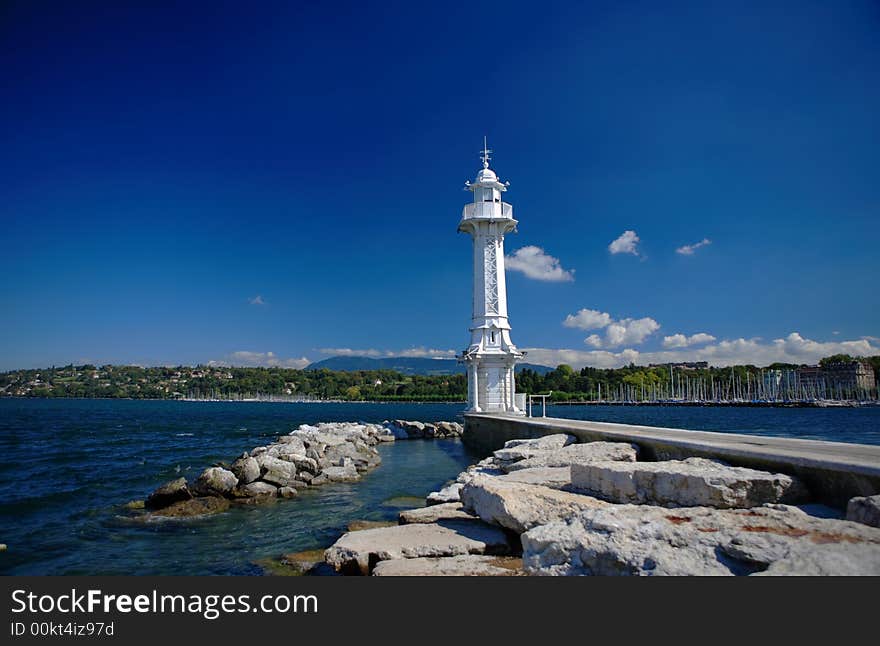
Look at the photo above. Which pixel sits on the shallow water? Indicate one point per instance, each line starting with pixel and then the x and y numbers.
pixel 67 466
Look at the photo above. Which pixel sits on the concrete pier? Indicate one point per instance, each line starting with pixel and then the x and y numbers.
pixel 834 471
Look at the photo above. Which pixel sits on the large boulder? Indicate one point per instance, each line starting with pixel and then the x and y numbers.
pixel 521 449
pixel 359 552
pixel 303 463
pixel 345 473
pixel 519 507
pixel 436 513
pixel 216 481
pixel 553 477
pixel 685 483
pixel 407 429
pixel 293 443
pixel 246 470
pixel 577 454
pixel 464 565
pixel 168 494
pixel 864 510
pixel 276 471
pixel 448 429
pixel 649 541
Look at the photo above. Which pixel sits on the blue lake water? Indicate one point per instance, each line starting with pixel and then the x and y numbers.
pixel 67 466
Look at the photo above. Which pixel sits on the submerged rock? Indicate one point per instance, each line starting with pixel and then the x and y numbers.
pixel 168 494
pixel 865 510
pixel 358 552
pixel 287 492
pixel 193 508
pixel 519 507
pixel 309 562
pixel 645 540
pixel 464 565
pixel 254 489
pixel 361 525
pixel 685 483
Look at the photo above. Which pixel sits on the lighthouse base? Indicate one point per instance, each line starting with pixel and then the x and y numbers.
pixel 491 385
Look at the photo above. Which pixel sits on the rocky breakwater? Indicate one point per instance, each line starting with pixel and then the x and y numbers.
pixel 596 509
pixel 309 456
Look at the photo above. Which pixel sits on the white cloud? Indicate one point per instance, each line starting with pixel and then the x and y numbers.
pixel 623 332
pixel 594 340
pixel 588 320
pixel 793 348
pixel 420 351
pixel 626 242
pixel 689 249
pixel 535 263
pixel 684 341
pixel 257 300
pixel 246 359
pixel 630 331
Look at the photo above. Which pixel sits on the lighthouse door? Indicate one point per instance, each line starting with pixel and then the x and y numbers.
pixel 494 399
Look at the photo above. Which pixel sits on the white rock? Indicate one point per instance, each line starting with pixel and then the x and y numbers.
pixel 553 477
pixel 522 449
pixel 519 507
pixel 275 471
pixel 360 551
pixel 216 480
pixel 685 483
pixel 449 493
pixel 465 565
pixel 577 454
pixel 347 473
pixel 295 443
pixel 246 470
pixel 436 513
pixel 646 540
pixel 864 510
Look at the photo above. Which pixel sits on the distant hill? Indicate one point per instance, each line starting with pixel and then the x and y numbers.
pixel 407 365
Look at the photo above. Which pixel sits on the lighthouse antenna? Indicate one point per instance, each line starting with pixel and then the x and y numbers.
pixel 484 154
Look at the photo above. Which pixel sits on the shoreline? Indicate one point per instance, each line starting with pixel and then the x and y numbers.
pixel 831 404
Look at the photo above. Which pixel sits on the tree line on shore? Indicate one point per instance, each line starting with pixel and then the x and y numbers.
pixel 211 382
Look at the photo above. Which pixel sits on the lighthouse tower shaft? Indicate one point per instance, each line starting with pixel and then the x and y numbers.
pixel 491 355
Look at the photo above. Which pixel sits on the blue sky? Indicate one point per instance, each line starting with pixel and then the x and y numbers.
pixel 271 184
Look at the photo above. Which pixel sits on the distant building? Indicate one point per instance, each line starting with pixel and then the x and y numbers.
pixel 810 378
pixel 850 375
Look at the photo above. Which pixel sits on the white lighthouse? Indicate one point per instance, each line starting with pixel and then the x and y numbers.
pixel 491 356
